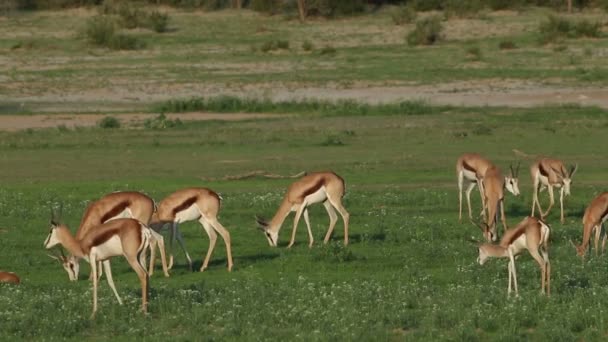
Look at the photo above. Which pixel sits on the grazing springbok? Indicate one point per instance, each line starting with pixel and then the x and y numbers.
pixel 470 171
pixel 191 204
pixel 320 187
pixel 125 236
pixel 9 277
pixel 549 173
pixel 595 215
pixel 121 204
pixel 531 234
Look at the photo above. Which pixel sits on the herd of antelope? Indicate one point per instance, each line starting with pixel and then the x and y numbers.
pixel 129 223
pixel 531 233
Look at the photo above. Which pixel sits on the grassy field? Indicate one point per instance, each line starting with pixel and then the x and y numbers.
pixel 409 273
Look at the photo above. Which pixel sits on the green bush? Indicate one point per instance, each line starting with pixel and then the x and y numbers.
pixel 100 30
pixel 557 28
pixel 158 21
pixel 307 45
pixel 162 122
pixel 328 50
pixel 474 53
pixel 507 45
pixel 109 122
pixel 333 8
pixel 272 45
pixel 404 15
pixel 427 32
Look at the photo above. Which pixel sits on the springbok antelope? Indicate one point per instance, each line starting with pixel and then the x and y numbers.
pixel 595 215
pixel 191 204
pixel 549 173
pixel 493 184
pixel 124 236
pixel 325 187
pixel 470 171
pixel 531 234
pixel 121 204
pixel 9 277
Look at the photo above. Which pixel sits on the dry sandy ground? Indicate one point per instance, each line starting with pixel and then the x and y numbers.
pixel 20 122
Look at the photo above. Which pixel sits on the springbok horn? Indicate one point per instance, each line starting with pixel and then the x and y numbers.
pixel 573 170
pixel 512 172
pixel 573 244
pixel 517 169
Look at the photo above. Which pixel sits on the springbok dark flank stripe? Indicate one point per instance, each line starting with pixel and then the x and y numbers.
pixel 117 209
pixel 314 188
pixel 468 167
pixel 185 204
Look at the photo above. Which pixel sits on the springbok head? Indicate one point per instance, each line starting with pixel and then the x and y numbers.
pixel 271 236
pixel 565 177
pixel 488 232
pixel 512 180
pixel 69 264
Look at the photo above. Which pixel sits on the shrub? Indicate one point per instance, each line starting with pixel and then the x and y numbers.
pixel 507 45
pixel 158 21
pixel 100 30
pixel 328 50
pixel 333 8
pixel 427 32
pixel 109 122
pixel 131 15
pixel 307 45
pixel 474 53
pixel 557 28
pixel 404 15
pixel 162 122
pixel 274 45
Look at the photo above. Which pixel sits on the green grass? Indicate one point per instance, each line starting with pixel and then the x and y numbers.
pixel 409 272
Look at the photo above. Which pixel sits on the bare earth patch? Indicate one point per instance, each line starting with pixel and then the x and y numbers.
pixel 21 122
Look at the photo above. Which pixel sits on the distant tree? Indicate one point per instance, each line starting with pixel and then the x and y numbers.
pixel 569 6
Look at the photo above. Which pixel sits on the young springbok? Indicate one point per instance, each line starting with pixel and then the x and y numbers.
pixel 595 216
pixel 549 173
pixel 320 187
pixel 125 236
pixel 191 204
pixel 531 234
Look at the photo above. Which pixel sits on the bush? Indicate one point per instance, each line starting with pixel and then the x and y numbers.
pixel 474 53
pixel 158 21
pixel 109 122
pixel 404 15
pixel 507 45
pixel 100 30
pixel 557 28
pixel 328 50
pixel 333 8
pixel 427 32
pixel 162 122
pixel 307 45
pixel 274 45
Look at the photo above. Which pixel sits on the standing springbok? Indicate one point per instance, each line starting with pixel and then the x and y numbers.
pixel 493 195
pixel 9 277
pixel 124 236
pixel 470 171
pixel 121 204
pixel 531 234
pixel 191 204
pixel 325 187
pixel 595 215
pixel 549 173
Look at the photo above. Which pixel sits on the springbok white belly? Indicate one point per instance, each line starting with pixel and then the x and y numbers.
pixel 190 214
pixel 317 197
pixel 123 214
pixel 469 175
pixel 112 247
